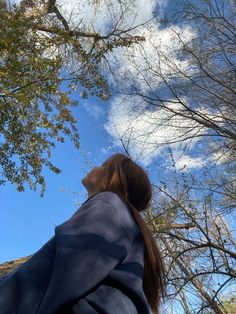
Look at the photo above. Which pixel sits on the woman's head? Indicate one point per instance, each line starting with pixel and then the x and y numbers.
pixel 120 174
pixel 94 180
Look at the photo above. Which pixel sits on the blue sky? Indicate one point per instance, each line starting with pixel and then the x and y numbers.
pixel 27 221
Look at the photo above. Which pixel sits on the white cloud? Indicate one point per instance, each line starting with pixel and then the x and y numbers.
pixel 220 154
pixel 103 18
pixel 106 150
pixel 140 65
pixel 145 65
pixel 101 14
pixel 133 65
pixel 144 9
pixel 186 162
pixel 105 14
pixel 93 110
pixel 148 132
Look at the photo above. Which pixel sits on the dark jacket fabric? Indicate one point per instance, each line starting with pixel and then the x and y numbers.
pixel 93 264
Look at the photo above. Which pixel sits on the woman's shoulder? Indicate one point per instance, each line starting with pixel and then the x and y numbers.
pixel 107 196
pixel 110 197
pixel 110 203
pixel 123 212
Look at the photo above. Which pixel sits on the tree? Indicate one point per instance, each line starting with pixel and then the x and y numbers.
pixel 180 94
pixel 197 241
pixel 189 79
pixel 41 49
pixel 186 92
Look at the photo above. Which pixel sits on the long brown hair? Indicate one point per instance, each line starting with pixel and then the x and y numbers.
pixel 132 184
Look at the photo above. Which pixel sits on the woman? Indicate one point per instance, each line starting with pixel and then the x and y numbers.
pixel 103 259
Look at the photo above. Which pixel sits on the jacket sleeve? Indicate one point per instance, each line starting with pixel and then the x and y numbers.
pixel 22 289
pixel 88 247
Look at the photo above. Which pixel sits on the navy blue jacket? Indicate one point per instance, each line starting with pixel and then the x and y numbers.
pixel 93 264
